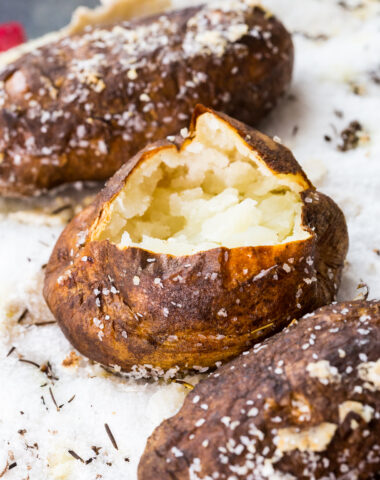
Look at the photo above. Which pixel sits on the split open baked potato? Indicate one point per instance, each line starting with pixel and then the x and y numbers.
pixel 195 250
pixel 79 107
pixel 302 405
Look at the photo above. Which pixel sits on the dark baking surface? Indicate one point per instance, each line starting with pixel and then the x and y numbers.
pixel 40 16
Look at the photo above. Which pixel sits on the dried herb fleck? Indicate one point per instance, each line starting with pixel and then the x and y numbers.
pixel 363 291
pixel 111 437
pixel 320 37
pixel 351 8
pixel 11 351
pixel 185 384
pixel 357 89
pixel 61 209
pixel 23 315
pixel 47 369
pixel 43 402
pixel 75 455
pixel 53 398
pixel 30 362
pixel 375 76
pixel 350 136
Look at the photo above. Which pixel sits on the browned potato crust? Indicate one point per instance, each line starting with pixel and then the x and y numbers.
pixel 77 109
pixel 152 312
pixel 304 405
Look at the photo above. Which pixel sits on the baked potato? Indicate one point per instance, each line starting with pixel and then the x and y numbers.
pixel 302 405
pixel 78 108
pixel 196 249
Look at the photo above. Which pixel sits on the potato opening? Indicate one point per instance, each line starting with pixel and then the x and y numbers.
pixel 214 192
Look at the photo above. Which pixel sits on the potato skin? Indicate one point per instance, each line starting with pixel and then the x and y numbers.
pixel 77 109
pixel 271 388
pixel 191 318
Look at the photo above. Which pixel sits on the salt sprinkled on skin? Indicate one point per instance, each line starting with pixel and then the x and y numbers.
pixel 226 421
pixel 200 422
pixel 176 452
pixel 286 268
pixel 253 412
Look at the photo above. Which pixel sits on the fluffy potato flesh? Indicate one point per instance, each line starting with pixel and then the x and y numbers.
pixel 215 191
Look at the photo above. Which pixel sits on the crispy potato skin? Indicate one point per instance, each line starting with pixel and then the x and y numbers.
pixel 193 318
pixel 75 110
pixel 276 379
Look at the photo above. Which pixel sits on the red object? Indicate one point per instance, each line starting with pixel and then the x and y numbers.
pixel 11 35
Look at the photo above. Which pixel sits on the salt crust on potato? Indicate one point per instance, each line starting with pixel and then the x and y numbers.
pixel 80 107
pixel 302 405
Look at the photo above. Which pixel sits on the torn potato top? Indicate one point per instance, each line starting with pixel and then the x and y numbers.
pixel 214 191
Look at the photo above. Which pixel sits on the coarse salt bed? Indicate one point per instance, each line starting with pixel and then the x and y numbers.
pixel 321 103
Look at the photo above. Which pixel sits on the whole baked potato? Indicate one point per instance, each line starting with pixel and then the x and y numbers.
pixel 78 108
pixel 303 405
pixel 196 249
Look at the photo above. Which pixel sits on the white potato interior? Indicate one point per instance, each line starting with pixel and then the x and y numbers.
pixel 215 192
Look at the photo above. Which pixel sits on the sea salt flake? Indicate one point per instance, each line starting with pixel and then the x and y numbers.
pixel 200 422
pixel 177 452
